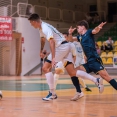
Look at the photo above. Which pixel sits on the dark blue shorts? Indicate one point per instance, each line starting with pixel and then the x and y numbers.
pixel 95 66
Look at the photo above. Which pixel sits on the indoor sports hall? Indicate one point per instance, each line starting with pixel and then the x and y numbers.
pixel 23 83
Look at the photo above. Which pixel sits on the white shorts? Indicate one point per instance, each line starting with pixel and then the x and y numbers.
pixel 62 53
pixel 79 61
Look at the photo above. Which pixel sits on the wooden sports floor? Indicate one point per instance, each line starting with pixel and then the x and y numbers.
pixel 22 97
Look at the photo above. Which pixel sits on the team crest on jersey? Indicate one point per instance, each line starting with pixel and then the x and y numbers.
pixel 80 38
pixel 79 49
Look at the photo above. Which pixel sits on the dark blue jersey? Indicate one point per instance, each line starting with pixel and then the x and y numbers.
pixel 88 44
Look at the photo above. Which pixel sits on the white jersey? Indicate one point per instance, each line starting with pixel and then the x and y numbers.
pixel 72 53
pixel 48 31
pixel 79 50
pixel 79 54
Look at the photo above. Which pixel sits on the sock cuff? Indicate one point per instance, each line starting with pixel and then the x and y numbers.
pixel 74 77
pixel 111 81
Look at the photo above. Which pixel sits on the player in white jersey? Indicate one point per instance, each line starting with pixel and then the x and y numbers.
pixel 59 69
pixel 80 59
pixel 60 49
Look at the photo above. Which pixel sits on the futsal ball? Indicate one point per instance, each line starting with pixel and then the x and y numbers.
pixel 0 95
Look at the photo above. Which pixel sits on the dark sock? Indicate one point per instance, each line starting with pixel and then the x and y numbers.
pixel 113 83
pixel 75 82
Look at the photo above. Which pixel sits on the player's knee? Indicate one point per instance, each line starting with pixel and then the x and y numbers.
pixel 45 69
pixel 72 73
pixel 103 74
pixel 57 71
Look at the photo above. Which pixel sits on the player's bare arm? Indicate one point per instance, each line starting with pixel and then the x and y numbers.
pixel 71 38
pixel 42 43
pixel 98 28
pixel 52 48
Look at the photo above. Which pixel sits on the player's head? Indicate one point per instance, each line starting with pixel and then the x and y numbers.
pixel 35 20
pixel 65 34
pixel 82 25
pixel 110 38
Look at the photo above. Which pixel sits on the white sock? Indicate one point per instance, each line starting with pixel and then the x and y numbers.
pixel 50 81
pixel 56 77
pixel 85 75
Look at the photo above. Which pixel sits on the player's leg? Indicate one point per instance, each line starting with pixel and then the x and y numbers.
pixel 60 52
pixel 78 62
pixel 50 80
pixel 98 67
pixel 70 66
pixel 104 74
pixel 79 72
pixel 59 69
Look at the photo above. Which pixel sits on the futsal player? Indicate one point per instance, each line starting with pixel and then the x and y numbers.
pixel 94 62
pixel 59 69
pixel 80 59
pixel 60 49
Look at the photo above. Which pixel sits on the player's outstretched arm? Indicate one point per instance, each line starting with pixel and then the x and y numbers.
pixel 98 28
pixel 71 38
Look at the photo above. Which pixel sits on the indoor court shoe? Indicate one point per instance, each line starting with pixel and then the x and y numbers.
pixel 77 96
pixel 100 85
pixel 50 97
pixel 88 89
pixel 1 95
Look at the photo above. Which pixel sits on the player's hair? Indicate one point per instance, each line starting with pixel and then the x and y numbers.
pixel 83 23
pixel 34 17
pixel 66 33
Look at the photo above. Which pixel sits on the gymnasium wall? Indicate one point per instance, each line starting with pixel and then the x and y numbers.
pixel 30 46
pixel 81 5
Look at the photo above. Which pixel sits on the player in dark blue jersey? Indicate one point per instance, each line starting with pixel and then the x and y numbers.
pixel 94 62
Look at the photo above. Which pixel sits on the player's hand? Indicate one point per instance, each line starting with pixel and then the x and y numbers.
pixel 102 24
pixel 53 62
pixel 71 30
pixel 42 55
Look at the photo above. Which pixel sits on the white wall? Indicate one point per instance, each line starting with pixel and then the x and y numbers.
pixel 58 24
pixel 30 57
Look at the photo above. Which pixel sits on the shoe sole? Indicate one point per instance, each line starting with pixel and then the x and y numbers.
pixel 45 99
pixel 77 98
pixel 88 90
pixel 102 89
pixel 101 81
pixel 102 86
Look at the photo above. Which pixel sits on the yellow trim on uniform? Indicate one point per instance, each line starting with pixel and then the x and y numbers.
pixel 50 38
pixel 61 70
pixel 65 63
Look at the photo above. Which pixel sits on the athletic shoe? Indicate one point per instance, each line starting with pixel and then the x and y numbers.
pixel 88 89
pixel 100 85
pixel 49 97
pixel 77 96
pixel 1 95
